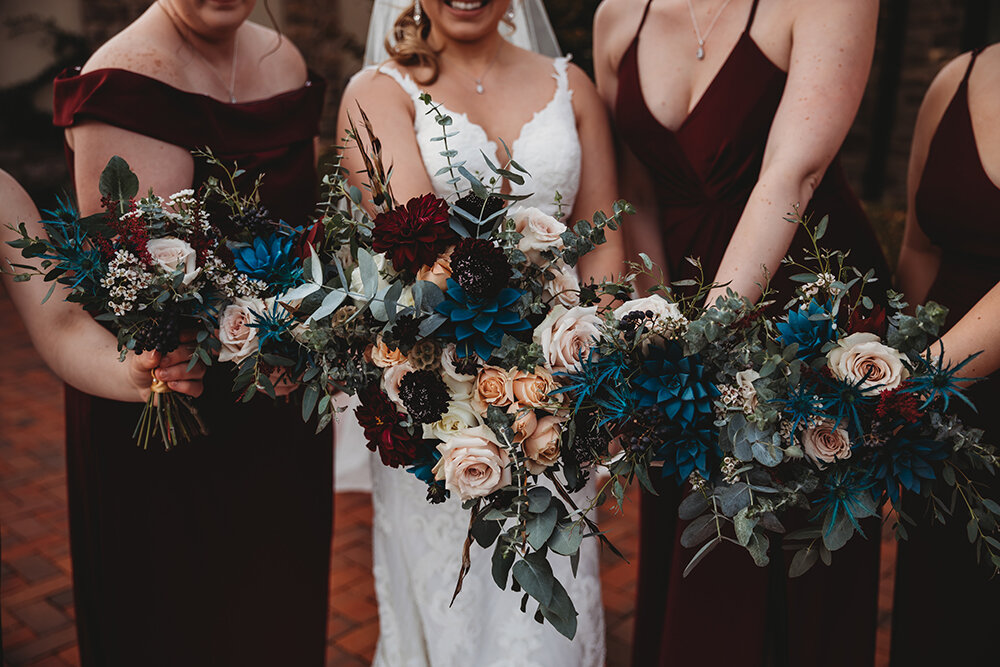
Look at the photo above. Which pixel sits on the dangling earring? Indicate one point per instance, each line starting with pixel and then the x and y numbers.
pixel 509 15
pixel 417 16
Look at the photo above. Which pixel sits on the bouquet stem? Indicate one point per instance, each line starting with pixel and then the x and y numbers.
pixel 170 415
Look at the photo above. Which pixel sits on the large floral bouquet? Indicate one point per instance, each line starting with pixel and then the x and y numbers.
pixel 454 324
pixel 816 417
pixel 147 269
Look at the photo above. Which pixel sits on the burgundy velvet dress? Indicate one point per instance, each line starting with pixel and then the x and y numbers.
pixel 947 609
pixel 216 553
pixel 729 610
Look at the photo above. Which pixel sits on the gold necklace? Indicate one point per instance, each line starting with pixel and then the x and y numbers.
pixel 231 88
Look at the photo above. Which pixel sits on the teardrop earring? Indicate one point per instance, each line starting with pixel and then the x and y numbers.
pixel 509 15
pixel 417 15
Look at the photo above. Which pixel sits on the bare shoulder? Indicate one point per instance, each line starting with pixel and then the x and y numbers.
pixel 276 53
pixel 138 49
pixel 582 87
pixel 615 24
pixel 941 91
pixel 986 76
pixel 374 85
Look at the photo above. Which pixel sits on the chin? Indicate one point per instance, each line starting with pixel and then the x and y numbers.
pixel 213 17
pixel 466 20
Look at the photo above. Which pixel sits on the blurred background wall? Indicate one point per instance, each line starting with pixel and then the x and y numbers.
pixel 38 38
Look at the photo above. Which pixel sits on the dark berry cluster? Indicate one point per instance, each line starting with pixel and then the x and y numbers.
pixel 631 322
pixel 648 428
pixel 425 396
pixel 161 333
pixel 436 493
pixel 256 219
pixel 479 209
pixel 467 365
pixel 480 268
pixel 404 333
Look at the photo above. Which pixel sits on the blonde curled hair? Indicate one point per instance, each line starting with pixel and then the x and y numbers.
pixel 407 45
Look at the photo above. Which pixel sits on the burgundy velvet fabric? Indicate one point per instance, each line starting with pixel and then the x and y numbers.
pixel 215 553
pixel 728 609
pixel 947 608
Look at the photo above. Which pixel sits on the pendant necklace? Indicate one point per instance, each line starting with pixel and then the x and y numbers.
pixel 697 33
pixel 479 79
pixel 231 88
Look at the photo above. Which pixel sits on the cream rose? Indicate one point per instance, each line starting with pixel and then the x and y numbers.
pixel 564 286
pixel 238 338
pixel 383 357
pixel 542 446
pixel 566 336
pixel 745 380
pixel 170 253
pixel 532 389
pixel 539 231
pixel 460 415
pixel 438 272
pixel 461 385
pixel 391 377
pixel 825 444
pixel 864 354
pixel 472 463
pixel 667 315
pixel 358 287
pixel 493 387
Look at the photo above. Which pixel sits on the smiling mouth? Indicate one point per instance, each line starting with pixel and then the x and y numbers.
pixel 467 5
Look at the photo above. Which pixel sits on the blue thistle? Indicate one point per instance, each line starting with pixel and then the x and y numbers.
pixel 811 327
pixel 478 326
pixel 272 324
pixel 907 461
pixel 935 379
pixel 602 379
pixel 676 383
pixel 845 492
pixel 800 404
pixel 270 260
pixel 842 401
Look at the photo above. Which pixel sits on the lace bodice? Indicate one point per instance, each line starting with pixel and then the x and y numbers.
pixel 548 145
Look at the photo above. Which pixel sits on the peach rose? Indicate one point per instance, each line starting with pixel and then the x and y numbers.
pixel 493 387
pixel 238 338
pixel 472 463
pixel 391 377
pixel 825 444
pixel 539 231
pixel 863 354
pixel 170 253
pixel 566 336
pixel 383 357
pixel 542 446
pixel 525 422
pixel 438 272
pixel 564 286
pixel 532 389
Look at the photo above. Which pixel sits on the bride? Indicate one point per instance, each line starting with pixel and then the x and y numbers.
pixel 550 116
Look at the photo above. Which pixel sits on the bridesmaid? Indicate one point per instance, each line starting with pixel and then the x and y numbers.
pixel 946 609
pixel 744 123
pixel 216 553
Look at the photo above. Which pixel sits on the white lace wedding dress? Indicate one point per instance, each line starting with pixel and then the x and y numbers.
pixel 417 546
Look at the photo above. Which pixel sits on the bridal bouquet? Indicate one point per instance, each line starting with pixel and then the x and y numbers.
pixel 454 324
pixel 817 417
pixel 147 269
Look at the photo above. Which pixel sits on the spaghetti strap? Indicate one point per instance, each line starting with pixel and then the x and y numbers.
pixel 753 12
pixel 645 13
pixel 972 61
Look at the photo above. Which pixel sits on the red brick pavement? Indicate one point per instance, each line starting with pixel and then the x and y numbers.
pixel 36 604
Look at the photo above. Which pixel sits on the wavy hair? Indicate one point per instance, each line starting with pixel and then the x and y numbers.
pixel 407 45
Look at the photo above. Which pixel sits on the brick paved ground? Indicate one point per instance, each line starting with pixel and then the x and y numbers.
pixel 37 601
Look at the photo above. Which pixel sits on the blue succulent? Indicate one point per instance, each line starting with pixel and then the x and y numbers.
pixel 810 326
pixel 270 260
pixel 690 448
pixel 907 461
pixel 478 326
pixel 676 383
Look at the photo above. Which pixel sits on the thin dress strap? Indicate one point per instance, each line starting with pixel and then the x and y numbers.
pixel 972 61
pixel 645 13
pixel 753 13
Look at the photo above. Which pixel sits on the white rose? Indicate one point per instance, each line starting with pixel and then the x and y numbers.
pixel 666 314
pixel 745 380
pixel 863 354
pixel 171 253
pixel 825 444
pixel 539 231
pixel 460 385
pixel 472 463
pixel 238 338
pixel 391 378
pixel 358 286
pixel 566 336
pixel 564 286
pixel 460 415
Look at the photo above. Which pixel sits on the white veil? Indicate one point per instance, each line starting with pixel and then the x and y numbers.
pixel 531 31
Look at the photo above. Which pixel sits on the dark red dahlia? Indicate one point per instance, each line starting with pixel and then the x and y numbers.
pixel 413 236
pixel 311 237
pixel 380 418
pixel 480 268
pixel 875 323
pixel 896 404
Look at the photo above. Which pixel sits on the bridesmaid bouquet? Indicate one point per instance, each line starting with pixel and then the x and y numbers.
pixel 817 417
pixel 145 268
pixel 455 324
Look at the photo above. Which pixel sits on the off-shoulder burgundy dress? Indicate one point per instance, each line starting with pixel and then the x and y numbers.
pixel 947 608
pixel 216 553
pixel 728 609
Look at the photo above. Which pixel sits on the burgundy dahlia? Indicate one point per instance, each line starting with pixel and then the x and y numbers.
pixel 380 418
pixel 413 236
pixel 480 268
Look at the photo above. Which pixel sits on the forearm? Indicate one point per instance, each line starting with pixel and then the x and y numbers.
pixel 976 332
pixel 915 273
pixel 606 261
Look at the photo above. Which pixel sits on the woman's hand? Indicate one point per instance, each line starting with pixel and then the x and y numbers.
pixel 171 368
pixel 282 383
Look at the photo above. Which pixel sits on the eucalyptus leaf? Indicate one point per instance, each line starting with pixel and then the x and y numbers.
pixel 534 575
pixel 566 538
pixel 540 526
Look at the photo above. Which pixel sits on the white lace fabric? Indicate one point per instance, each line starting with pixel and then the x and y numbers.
pixel 417 546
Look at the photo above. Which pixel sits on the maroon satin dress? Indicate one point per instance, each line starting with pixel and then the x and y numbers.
pixel 216 553
pixel 947 609
pixel 728 609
